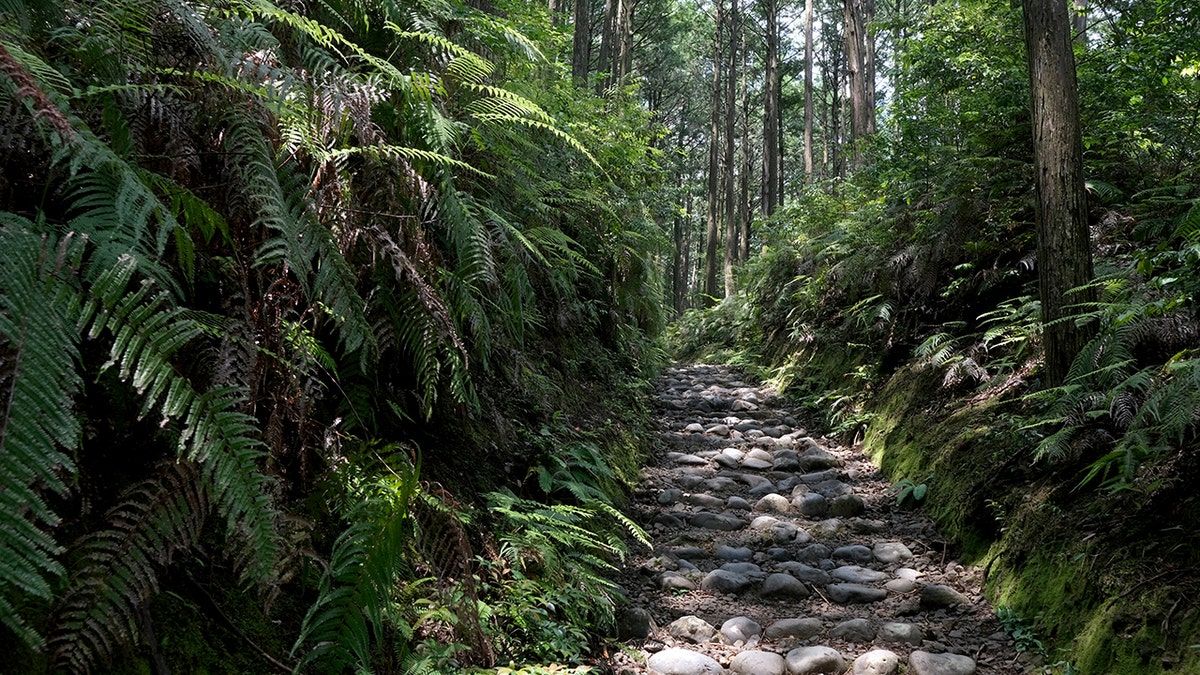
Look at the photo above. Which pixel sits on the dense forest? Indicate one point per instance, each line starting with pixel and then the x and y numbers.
pixel 326 328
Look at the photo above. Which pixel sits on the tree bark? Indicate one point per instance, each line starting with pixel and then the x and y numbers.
pixel 608 44
pixel 808 90
pixel 731 226
pixel 860 66
pixel 1064 245
pixel 712 234
pixel 744 216
pixel 582 44
pixel 623 63
pixel 771 119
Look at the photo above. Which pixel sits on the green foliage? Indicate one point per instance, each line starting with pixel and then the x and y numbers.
pixel 38 355
pixel 363 593
pixel 555 559
pixel 1020 629
pixel 908 490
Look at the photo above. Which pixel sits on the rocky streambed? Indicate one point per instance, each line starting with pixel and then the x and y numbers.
pixel 777 552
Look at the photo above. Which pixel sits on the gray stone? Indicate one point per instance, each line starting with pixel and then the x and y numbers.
pixel 832 488
pixel 727 462
pixel 804 660
pixel 694 428
pixel 908 573
pixel 924 663
pixel 746 568
pixel 634 623
pixel 877 662
pixel 854 593
pixel 668 519
pixel 937 596
pixel 816 459
pixel 691 628
pixel 736 503
pixel 906 633
pixel 889 552
pixel 773 503
pixel 724 581
pixel 676 661
pixel 798 629
pixel 754 481
pixel 858 554
pixel 803 572
pixel 716 521
pixel 759 453
pixel 784 533
pixel 763 522
pixel 812 504
pixel 901 586
pixel 756 662
pixel 721 484
pixel 854 630
pixel 730 553
pixel 756 464
pixel 718 430
pixel 740 629
pixel 669 496
pixel 813 553
pixel 781 585
pixel 858 575
pixel 742 405
pixel 704 501
pixel 690 460
pixel 818 476
pixel 672 581
pixel 847 506
pixel 689 552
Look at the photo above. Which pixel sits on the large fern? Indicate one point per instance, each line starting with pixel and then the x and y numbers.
pixel 39 306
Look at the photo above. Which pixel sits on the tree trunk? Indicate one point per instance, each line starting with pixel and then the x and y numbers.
pixel 1079 21
pixel 744 216
pixel 860 65
pixel 770 180
pixel 608 44
pixel 714 165
pixel 1064 256
pixel 731 226
pixel 582 45
pixel 808 90
pixel 623 64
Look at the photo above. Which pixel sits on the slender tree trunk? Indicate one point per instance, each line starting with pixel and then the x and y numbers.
pixel 623 64
pixel 808 90
pixel 1064 245
pixel 582 44
pixel 712 238
pixel 608 44
pixel 1079 20
pixel 731 226
pixel 770 191
pixel 744 153
pixel 860 68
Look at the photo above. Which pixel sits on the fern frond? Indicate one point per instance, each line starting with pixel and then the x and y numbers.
pixel 353 607
pixel 120 566
pixel 38 356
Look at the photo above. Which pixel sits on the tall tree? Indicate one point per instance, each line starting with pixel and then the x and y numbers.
pixel 1064 251
pixel 771 116
pixel 808 90
pixel 712 234
pixel 731 226
pixel 582 43
pixel 860 65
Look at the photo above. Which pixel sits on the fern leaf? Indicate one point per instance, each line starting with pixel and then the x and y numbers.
pixel 38 354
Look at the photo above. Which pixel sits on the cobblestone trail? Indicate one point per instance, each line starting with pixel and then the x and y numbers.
pixel 776 552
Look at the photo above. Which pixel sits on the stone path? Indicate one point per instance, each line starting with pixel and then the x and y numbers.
pixel 779 553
